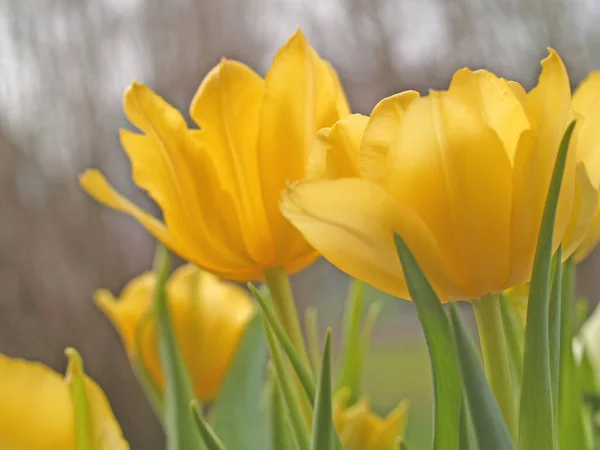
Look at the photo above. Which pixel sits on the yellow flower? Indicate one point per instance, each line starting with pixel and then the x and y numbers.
pixel 38 410
pixel 462 175
pixel 219 187
pixel 361 429
pixel 209 317
pixel 583 233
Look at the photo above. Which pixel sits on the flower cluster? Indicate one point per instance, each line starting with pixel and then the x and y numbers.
pixel 483 192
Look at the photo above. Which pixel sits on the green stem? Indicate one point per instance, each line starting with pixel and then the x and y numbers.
pixel 495 356
pixel 285 307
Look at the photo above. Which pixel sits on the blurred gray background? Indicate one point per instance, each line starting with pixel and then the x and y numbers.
pixel 63 67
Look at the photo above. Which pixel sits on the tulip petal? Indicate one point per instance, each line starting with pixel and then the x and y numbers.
pixel 96 185
pixel 37 413
pixel 518 90
pixel 211 315
pixel 381 132
pixel 335 154
pixel 170 163
pixel 585 204
pixel 351 222
pixel 548 108
pixel 496 100
pixel 587 95
pixel 586 101
pixel 450 168
pixel 227 108
pixel 300 98
pixel 590 240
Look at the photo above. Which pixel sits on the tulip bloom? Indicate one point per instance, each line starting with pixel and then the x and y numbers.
pixel 359 428
pixel 462 175
pixel 218 187
pixel 209 317
pixel 38 411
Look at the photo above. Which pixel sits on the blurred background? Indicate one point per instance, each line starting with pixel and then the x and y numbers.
pixel 63 67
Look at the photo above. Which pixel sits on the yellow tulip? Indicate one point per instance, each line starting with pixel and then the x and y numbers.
pixel 209 317
pixel 585 233
pixel 219 187
pixel 462 175
pixel 38 410
pixel 361 429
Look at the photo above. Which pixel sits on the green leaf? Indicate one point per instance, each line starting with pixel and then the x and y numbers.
pixel 311 329
pixel 323 428
pixel 536 422
pixel 571 427
pixel 211 441
pixel 279 425
pixel 351 374
pixel 514 333
pixel 554 328
pixel 234 413
pixel 179 424
pixel 298 363
pixel 84 433
pixel 488 424
pixel 298 426
pixel 465 431
pixel 440 342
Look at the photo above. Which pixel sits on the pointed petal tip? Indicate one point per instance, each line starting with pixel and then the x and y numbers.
pixel 75 363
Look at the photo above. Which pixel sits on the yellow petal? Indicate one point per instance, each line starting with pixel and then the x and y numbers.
pixel 548 108
pixel 171 164
pixel 335 154
pixel 450 168
pixel 96 185
pixel 585 204
pixel 587 95
pixel 37 412
pixel 351 222
pixel 590 239
pixel 126 312
pixel 209 317
pixel 301 97
pixel 107 434
pixel 496 100
pixel 227 108
pixel 381 132
pixel 586 101
pixel 518 90
pixel 341 102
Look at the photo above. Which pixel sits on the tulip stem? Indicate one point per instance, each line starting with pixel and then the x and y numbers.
pixel 495 356
pixel 285 307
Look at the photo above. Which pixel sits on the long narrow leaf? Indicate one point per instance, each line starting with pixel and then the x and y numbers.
pixel 536 422
pixel 440 342
pixel 351 375
pixel 179 424
pixel 279 425
pixel 514 333
pixel 488 424
pixel 234 414
pixel 299 429
pixel 211 441
pixel 571 428
pixel 300 367
pixel 323 428
pixel 554 328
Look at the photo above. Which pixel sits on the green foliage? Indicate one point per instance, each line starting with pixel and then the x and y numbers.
pixel 234 413
pixel 442 351
pixel 536 425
